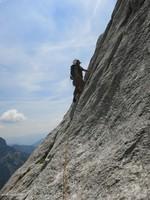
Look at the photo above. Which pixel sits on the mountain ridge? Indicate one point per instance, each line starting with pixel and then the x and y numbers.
pixel 10 160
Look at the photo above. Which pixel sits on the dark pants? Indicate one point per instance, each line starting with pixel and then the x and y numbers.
pixel 79 86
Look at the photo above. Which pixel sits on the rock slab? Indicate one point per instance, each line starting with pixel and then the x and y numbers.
pixel 101 149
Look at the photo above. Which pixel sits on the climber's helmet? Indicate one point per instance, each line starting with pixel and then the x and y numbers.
pixel 76 62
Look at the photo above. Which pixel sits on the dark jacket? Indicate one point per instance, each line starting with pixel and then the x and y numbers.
pixel 76 71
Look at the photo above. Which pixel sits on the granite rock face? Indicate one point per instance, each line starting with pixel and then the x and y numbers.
pixel 101 149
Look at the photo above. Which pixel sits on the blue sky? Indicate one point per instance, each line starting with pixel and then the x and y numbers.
pixel 38 41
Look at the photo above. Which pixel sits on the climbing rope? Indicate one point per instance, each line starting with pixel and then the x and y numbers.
pixel 65 173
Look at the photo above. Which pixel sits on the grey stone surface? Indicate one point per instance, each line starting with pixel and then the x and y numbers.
pixel 101 150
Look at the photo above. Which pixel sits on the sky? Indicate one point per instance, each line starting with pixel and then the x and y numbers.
pixel 38 41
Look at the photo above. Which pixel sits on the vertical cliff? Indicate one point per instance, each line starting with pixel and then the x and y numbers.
pixel 101 149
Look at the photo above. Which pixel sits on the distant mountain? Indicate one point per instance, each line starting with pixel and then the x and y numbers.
pixel 11 158
pixel 25 139
pixel 24 148
pixel 38 142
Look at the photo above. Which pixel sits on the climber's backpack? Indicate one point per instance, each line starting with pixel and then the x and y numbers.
pixel 72 72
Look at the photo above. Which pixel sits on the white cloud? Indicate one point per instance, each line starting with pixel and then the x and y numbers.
pixel 44 115
pixel 35 62
pixel 97 5
pixel 48 58
pixel 62 87
pixel 12 116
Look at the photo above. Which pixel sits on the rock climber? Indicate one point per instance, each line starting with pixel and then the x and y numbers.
pixel 76 75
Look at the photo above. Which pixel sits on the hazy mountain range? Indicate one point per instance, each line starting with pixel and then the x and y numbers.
pixel 12 157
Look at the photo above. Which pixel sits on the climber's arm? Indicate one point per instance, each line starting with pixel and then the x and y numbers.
pixel 85 70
